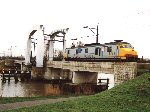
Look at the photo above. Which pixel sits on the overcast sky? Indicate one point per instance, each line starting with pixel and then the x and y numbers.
pixel 128 20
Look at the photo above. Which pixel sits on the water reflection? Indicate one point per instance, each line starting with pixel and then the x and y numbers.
pixel 28 89
pixel 32 88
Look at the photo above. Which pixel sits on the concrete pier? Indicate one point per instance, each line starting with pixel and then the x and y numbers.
pixel 37 73
pixel 124 71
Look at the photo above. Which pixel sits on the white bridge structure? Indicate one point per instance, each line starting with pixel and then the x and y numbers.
pixel 43 44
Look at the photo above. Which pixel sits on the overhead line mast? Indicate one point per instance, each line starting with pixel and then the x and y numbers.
pixel 97 34
pixel 93 31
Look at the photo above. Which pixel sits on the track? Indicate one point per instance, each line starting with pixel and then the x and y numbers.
pixel 102 59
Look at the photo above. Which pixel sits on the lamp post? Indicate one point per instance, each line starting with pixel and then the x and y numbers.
pixel 93 31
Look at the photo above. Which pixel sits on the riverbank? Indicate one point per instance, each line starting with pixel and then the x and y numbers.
pixel 17 105
pixel 132 95
pixel 5 100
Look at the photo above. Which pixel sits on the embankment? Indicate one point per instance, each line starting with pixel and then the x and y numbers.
pixel 133 95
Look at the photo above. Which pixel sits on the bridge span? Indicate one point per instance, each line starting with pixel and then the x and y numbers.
pixel 82 72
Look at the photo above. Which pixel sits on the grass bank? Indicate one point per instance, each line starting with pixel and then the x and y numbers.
pixel 133 95
pixel 5 100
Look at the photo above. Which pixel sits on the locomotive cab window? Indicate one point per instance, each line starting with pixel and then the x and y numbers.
pixel 130 46
pixel 123 46
pixel 109 49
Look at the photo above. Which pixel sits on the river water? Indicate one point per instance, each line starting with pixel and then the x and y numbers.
pixel 33 88
pixel 28 89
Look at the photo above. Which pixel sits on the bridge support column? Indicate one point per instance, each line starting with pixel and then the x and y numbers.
pixel 40 48
pixel 53 73
pixel 124 71
pixel 84 77
pixel 28 52
pixel 38 73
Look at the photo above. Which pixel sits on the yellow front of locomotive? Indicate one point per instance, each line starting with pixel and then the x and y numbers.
pixel 127 52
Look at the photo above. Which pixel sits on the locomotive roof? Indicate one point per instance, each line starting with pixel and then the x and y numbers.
pixel 116 43
pixel 94 44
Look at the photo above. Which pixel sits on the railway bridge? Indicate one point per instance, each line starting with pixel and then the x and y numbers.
pixel 78 72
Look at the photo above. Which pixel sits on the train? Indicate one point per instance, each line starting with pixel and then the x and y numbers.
pixel 112 51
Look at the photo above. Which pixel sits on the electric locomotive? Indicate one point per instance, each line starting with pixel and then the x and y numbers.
pixel 117 50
